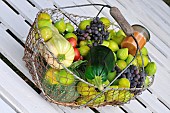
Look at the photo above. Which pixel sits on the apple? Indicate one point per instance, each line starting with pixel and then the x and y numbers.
pixel 73 41
pixel 77 54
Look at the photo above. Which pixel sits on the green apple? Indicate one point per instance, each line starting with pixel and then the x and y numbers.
pixel 83 24
pixel 70 35
pixel 113 45
pixel 60 25
pixel 69 27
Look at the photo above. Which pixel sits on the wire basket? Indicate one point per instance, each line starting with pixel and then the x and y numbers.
pixel 61 84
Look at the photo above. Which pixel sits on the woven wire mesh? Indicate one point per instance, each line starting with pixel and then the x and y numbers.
pixel 63 89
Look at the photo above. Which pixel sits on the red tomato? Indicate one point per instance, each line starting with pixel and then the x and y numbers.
pixel 77 54
pixel 72 41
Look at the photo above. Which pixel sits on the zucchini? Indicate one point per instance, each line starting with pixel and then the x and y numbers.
pixel 100 63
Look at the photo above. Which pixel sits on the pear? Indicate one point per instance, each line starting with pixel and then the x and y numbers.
pixel 122 53
pixel 151 68
pixel 121 64
pixel 45 16
pixel 70 35
pixel 113 45
pixel 69 27
pixel 43 23
pixel 111 76
pixel 60 25
pixel 130 58
pixel 46 33
pixel 106 22
pixel 118 38
pixel 83 24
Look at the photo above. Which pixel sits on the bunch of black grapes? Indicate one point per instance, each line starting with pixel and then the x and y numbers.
pixel 134 75
pixel 95 31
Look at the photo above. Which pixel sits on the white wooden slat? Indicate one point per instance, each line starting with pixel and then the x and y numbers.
pixel 162 6
pixel 12 50
pixel 160 20
pixel 13 21
pixel 25 9
pixel 135 107
pixel 16 90
pixel 5 108
pixel 41 4
pixel 153 103
pixel 109 109
pixel 76 11
pixel 146 21
pixel 73 110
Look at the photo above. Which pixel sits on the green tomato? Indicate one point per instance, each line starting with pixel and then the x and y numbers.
pixel 64 77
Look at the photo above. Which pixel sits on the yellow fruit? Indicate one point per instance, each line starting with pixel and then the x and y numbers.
pixel 124 83
pixel 85 89
pixel 45 16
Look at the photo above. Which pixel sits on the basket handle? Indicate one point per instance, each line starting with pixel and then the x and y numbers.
pixel 117 15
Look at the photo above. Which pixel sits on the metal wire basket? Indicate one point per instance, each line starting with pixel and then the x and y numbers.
pixel 64 94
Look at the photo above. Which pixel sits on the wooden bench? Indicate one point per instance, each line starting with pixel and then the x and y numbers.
pixel 16 17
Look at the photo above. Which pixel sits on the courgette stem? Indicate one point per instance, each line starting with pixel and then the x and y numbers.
pixel 61 57
pixel 97 81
